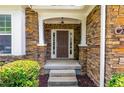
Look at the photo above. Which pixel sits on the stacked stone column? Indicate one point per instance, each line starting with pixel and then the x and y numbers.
pixel 83 59
pixel 33 50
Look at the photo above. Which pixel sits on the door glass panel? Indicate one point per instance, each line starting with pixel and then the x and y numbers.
pixel 70 43
pixel 54 43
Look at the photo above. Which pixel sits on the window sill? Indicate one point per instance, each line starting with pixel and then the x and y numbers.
pixel 5 54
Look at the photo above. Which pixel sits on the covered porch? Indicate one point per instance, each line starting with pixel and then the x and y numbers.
pixel 78 29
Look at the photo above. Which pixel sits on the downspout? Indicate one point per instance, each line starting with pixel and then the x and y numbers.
pixel 102 45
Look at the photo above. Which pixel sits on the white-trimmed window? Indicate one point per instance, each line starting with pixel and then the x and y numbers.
pixel 5 34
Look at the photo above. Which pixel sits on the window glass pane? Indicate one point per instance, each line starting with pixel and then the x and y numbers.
pixel 2 24
pixel 8 29
pixel 5 44
pixel 8 24
pixel 2 30
pixel 5 24
pixel 2 18
pixel 8 18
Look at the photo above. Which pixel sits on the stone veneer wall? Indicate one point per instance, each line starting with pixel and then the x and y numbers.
pixel 114 42
pixel 31 33
pixel 10 58
pixel 77 29
pixel 93 42
pixel 33 51
pixel 83 59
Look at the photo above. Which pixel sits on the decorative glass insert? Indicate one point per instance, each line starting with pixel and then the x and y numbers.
pixel 5 34
pixel 54 43
pixel 70 43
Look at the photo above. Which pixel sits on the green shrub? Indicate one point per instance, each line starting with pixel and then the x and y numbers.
pixel 116 81
pixel 2 63
pixel 20 73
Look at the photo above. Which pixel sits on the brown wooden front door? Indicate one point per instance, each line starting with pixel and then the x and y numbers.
pixel 62 44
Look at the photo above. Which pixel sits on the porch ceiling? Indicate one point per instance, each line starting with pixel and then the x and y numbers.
pixel 58 20
pixel 58 7
pixel 77 10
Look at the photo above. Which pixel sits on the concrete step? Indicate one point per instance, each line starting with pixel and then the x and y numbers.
pixel 62 65
pixel 62 81
pixel 62 73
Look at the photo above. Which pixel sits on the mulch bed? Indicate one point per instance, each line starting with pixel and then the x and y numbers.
pixel 43 80
pixel 83 81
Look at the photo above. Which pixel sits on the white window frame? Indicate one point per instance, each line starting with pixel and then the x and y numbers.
pixel 10 34
pixel 5 13
pixel 17 38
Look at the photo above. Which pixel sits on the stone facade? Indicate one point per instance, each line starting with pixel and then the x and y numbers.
pixel 42 58
pixel 83 59
pixel 31 33
pixel 89 56
pixel 77 35
pixel 114 41
pixel 7 59
pixel 93 42
pixel 33 51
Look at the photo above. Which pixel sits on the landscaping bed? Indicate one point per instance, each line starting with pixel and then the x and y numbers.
pixel 85 81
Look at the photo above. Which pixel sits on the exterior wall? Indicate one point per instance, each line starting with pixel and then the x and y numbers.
pixel 77 29
pixel 31 33
pixel 93 42
pixel 17 43
pixel 114 42
pixel 7 59
pixel 42 58
pixel 31 38
pixel 17 14
pixel 83 59
pixel 33 51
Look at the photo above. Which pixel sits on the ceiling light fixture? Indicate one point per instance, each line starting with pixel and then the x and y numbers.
pixel 62 20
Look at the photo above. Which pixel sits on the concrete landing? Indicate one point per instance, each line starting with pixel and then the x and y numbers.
pixel 62 65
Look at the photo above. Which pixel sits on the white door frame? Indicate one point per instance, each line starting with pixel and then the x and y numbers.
pixel 54 41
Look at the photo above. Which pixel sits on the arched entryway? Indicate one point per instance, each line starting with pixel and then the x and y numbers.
pixel 62 36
